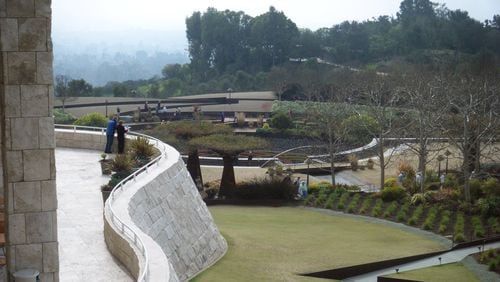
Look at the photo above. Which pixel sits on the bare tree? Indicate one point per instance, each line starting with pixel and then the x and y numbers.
pixel 381 96
pixel 474 115
pixel 421 93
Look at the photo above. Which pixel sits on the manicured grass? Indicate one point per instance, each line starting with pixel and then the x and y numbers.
pixel 273 244
pixel 455 272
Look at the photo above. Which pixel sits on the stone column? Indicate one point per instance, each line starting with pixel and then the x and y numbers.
pixel 27 143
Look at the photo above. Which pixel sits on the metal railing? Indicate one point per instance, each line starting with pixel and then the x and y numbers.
pixel 123 227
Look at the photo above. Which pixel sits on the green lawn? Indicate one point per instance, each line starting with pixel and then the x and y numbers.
pixel 455 272
pixel 273 244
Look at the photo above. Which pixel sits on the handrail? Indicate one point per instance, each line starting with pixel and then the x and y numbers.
pixel 123 227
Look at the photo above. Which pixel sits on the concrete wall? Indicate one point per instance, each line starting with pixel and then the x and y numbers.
pixel 170 210
pixel 122 249
pixel 27 134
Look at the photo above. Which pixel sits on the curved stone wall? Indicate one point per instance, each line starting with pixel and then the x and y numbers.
pixel 170 210
pixel 167 207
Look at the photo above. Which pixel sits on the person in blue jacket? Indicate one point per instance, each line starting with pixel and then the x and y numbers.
pixel 110 134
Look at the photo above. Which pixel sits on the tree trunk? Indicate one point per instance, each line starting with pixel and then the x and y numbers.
pixel 422 158
pixel 382 162
pixel 228 181
pixel 193 166
pixel 332 160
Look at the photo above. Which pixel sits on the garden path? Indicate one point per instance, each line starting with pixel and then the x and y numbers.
pixel 83 255
pixel 448 257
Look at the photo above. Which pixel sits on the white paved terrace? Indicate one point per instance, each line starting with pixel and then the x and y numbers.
pixel 83 255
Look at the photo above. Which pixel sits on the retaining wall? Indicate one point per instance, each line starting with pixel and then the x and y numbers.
pixel 168 208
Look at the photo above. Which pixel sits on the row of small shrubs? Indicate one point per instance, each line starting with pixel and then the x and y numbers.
pixel 365 206
pixel 403 212
pixel 353 204
pixel 377 209
pixel 459 235
pixel 443 223
pixel 417 213
pixel 477 226
pixel 431 217
pixel 391 209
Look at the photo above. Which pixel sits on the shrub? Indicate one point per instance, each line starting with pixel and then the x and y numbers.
pixel 240 119
pixel 332 198
pixel 367 202
pixel 477 226
pixel 491 187
pixel 310 199
pixel 317 186
pixel 370 163
pixel 122 163
pixel 61 117
pixel 429 220
pixel 489 206
pixel 417 213
pixel 117 177
pixel 377 209
pixel 353 204
pixel 342 201
pixel 141 149
pixel 393 194
pixel 281 121
pixel 443 223
pixel 409 173
pixel 321 199
pixel 390 182
pixel 459 228
pixel 266 188
pixel 353 160
pixel 475 188
pixel 391 209
pixel 494 225
pixel 450 181
pixel 92 119
pixel 403 211
pixel 418 199
pixel 492 266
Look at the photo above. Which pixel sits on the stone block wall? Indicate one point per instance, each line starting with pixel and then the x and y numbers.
pixel 170 210
pixel 27 136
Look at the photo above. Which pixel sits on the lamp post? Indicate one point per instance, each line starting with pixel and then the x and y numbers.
pixel 440 158
pixel 106 103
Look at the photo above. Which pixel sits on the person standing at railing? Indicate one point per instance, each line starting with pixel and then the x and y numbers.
pixel 110 134
pixel 120 134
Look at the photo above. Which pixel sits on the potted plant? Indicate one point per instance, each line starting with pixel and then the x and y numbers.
pixel 105 164
pixel 370 163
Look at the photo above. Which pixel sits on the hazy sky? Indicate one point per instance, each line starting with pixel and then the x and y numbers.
pixel 92 16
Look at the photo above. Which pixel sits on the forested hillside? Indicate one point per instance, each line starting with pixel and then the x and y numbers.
pixel 232 50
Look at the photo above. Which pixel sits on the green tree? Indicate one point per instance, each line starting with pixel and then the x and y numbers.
pixel 229 147
pixel 271 37
pixel 79 88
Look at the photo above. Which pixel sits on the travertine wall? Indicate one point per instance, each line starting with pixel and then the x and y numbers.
pixel 28 166
pixel 170 210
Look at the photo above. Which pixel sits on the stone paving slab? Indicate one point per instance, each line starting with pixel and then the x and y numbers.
pixel 83 255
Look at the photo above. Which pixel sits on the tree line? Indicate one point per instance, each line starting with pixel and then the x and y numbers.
pixel 232 50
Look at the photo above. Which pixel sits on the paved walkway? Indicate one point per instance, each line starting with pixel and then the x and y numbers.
pixel 449 257
pixel 83 255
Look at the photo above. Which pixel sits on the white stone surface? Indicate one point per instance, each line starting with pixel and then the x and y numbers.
pixel 83 255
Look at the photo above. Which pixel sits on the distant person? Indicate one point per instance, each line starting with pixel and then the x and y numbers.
pixel 400 178
pixel 110 134
pixel 442 179
pixel 418 178
pixel 296 183
pixel 303 189
pixel 250 157
pixel 222 117
pixel 120 134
